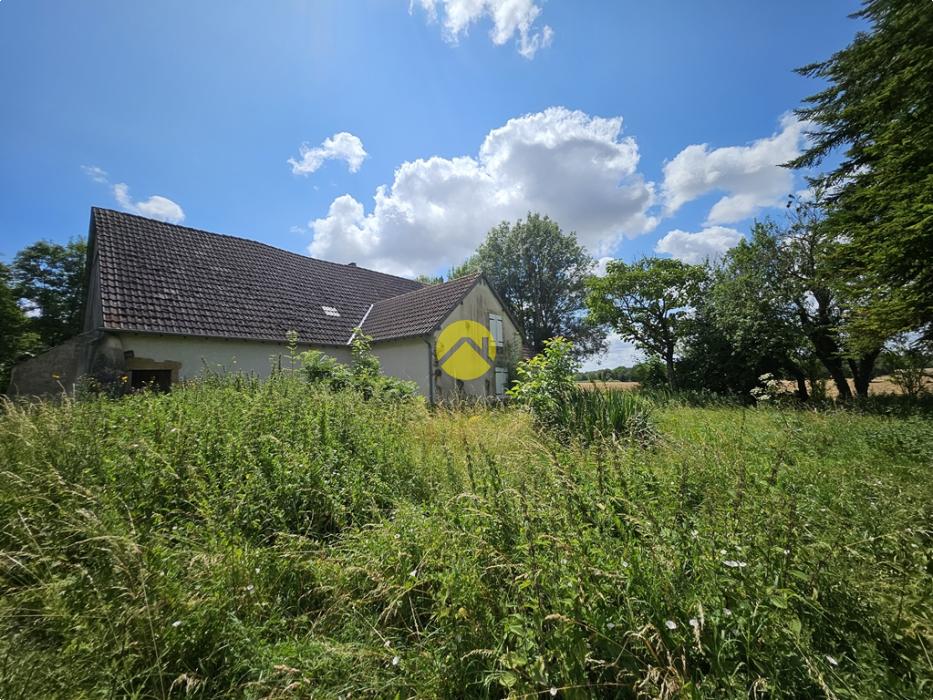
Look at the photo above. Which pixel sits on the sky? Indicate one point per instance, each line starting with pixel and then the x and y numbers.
pixel 395 133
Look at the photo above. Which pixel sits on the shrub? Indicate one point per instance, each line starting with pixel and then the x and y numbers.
pixel 362 375
pixel 546 386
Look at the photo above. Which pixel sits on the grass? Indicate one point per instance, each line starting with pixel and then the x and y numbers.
pixel 270 540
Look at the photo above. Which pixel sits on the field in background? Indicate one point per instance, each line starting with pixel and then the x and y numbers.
pixel 879 386
pixel 238 539
pixel 612 385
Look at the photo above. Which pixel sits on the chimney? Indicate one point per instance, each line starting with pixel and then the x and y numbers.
pixel 352 264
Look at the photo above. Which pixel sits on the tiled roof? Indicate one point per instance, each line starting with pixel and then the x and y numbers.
pixel 162 278
pixel 418 312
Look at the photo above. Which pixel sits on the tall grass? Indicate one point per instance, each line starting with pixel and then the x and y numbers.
pixel 260 540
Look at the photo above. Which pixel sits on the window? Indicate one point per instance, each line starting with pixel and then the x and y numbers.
pixel 330 311
pixel 502 380
pixel 495 328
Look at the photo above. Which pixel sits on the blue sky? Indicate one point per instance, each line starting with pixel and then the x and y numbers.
pixel 193 109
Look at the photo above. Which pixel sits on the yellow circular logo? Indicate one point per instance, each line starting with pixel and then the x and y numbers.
pixel 465 350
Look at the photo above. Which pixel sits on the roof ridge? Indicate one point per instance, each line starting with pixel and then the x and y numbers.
pixel 473 276
pixel 254 242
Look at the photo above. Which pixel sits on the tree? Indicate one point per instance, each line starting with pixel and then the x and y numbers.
pixel 648 303
pixel 15 338
pixel 746 304
pixel 49 278
pixel 541 273
pixel 784 294
pixel 878 106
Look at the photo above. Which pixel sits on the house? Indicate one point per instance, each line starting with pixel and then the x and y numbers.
pixel 165 302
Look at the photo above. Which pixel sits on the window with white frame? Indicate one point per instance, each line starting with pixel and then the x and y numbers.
pixel 502 380
pixel 495 328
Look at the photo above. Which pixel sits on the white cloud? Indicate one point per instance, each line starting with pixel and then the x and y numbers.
pixel 95 173
pixel 619 353
pixel 509 17
pixel 342 146
pixel 601 263
pixel 575 168
pixel 750 176
pixel 156 207
pixel 695 248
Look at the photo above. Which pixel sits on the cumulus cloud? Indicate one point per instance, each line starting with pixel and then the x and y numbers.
pixel 749 176
pixel 576 168
pixel 695 248
pixel 509 18
pixel 156 207
pixel 342 146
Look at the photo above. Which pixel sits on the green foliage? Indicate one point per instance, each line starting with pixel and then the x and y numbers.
pixel 878 109
pixel 362 375
pixel 546 381
pixel 15 338
pixel 547 387
pixel 250 540
pixel 541 272
pixel 648 303
pixel 49 278
pixel 910 363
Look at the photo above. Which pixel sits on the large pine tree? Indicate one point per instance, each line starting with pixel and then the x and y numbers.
pixel 878 112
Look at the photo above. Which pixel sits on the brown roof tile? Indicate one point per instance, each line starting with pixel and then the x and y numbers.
pixel 417 312
pixel 163 278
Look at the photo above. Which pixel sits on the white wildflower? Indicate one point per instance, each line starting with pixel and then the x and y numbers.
pixel 249 588
pixel 395 660
pixel 610 625
pixel 727 612
pixel 671 625
pixel 177 623
pixel 413 573
pixel 553 691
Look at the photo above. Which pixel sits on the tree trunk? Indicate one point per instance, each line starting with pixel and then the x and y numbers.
pixel 669 362
pixel 861 372
pixel 801 380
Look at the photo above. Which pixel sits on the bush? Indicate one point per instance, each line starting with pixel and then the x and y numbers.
pixel 546 386
pixel 362 375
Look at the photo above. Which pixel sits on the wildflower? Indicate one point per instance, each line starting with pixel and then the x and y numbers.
pixel 553 691
pixel 249 588
pixel 831 660
pixel 694 622
pixel 395 660
pixel 624 564
pixel 413 573
pixel 671 625
pixel 387 644
pixel 727 612
pixel 610 625
pixel 694 533
pixel 733 564
pixel 177 623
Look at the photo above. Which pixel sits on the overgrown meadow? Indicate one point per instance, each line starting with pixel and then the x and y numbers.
pixel 237 538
